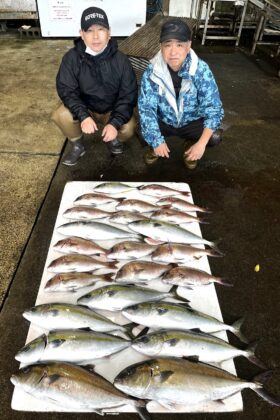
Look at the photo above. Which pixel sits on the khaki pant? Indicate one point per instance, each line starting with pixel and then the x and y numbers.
pixel 72 128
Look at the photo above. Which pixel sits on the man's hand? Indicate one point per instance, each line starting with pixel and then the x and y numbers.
pixel 162 150
pixel 196 151
pixel 109 133
pixel 88 126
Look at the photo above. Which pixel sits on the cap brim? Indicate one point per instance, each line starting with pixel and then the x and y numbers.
pixel 176 37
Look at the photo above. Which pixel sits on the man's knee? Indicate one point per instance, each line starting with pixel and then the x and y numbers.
pixel 127 130
pixel 216 138
pixel 68 125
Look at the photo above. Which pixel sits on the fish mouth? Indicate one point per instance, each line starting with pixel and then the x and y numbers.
pixel 14 380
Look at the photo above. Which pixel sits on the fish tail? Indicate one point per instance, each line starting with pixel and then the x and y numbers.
pixel 236 329
pixel 174 294
pixel 186 193
pixel 215 253
pixel 267 396
pixel 108 277
pixel 129 329
pixel 142 411
pixel 252 358
pixel 112 264
pixel 223 281
pixel 202 221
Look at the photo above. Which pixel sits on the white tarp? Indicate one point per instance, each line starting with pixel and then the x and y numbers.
pixel 202 298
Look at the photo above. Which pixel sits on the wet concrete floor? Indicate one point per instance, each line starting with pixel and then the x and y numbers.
pixel 238 181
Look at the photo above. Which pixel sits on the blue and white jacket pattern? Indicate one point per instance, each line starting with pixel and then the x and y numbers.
pixel 199 97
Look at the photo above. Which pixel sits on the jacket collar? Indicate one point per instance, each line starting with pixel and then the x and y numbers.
pixel 187 70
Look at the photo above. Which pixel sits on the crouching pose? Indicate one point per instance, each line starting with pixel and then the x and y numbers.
pixel 96 84
pixel 179 97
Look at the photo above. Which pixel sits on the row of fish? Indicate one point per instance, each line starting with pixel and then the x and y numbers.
pixel 169 380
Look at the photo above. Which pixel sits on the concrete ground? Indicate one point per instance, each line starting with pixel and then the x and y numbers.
pixel 238 181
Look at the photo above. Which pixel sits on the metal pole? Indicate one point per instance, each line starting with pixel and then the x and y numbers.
pixel 241 22
pixel 209 2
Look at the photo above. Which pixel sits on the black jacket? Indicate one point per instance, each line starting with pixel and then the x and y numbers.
pixel 102 83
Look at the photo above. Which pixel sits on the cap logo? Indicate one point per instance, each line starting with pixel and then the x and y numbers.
pixel 94 16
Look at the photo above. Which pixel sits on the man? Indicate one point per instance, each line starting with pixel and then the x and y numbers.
pixel 96 84
pixel 179 97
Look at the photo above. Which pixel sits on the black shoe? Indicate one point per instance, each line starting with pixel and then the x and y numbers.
pixel 77 150
pixel 116 147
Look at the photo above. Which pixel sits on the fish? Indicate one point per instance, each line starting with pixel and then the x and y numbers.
pixel 197 346
pixel 181 205
pixel 178 316
pixel 72 282
pixel 113 188
pixel 94 231
pixel 181 253
pixel 72 386
pixel 175 216
pixel 140 272
pixel 189 277
pixel 85 213
pixel 161 232
pixel 58 316
pixel 136 206
pixel 116 297
pixel 75 245
pixel 94 200
pixel 172 382
pixel 76 263
pixel 130 250
pixel 156 190
pixel 125 217
pixel 75 346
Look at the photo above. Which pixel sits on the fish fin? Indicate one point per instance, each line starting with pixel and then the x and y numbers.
pixel 236 326
pixel 197 330
pixel 53 378
pixel 252 358
pixel 107 277
pixel 263 377
pixel 167 404
pixel 192 358
pixel 120 199
pixel 223 281
pixel 142 332
pixel 270 398
pixel 89 367
pixel 56 343
pixel 151 241
pixel 186 193
pixel 143 412
pixel 162 376
pixel 112 264
pixel 129 327
pixel 172 342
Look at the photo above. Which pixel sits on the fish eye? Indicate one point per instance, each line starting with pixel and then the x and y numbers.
pixel 26 369
pixel 145 339
pixel 134 307
pixel 111 293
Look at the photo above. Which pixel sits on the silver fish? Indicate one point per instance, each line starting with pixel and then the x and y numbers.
pixel 136 206
pixel 71 386
pixel 180 253
pixel 76 263
pixel 177 316
pixel 113 188
pixel 140 272
pixel 71 282
pixel 74 346
pixel 174 382
pixel 181 205
pixel 93 230
pixel 58 316
pixel 156 190
pixel 125 217
pixel 116 297
pixel 161 232
pixel 85 213
pixel 188 277
pixel 75 245
pixel 94 200
pixel 175 216
pixel 130 250
pixel 199 346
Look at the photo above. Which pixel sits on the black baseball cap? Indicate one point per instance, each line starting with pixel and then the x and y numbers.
pixel 175 29
pixel 93 16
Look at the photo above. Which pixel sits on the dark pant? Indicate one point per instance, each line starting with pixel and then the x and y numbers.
pixel 192 132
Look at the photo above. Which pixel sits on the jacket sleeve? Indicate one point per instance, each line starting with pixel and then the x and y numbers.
pixel 127 96
pixel 210 105
pixel 147 106
pixel 67 86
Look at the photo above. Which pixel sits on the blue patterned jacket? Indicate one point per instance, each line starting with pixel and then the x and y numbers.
pixel 199 98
